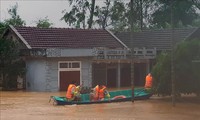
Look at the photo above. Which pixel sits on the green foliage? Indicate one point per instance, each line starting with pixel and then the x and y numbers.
pixel 3 27
pixel 115 14
pixel 119 19
pixel 15 19
pixel 102 14
pixel 44 23
pixel 162 75
pixel 196 22
pixel 92 8
pixel 11 66
pixel 184 12
pixel 187 71
pixel 77 15
pixel 187 67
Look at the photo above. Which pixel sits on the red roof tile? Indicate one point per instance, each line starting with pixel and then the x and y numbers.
pixel 68 38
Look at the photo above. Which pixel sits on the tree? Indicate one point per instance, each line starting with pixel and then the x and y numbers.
pixel 187 77
pixel 185 11
pixel 119 19
pixel 44 23
pixel 102 14
pixel 78 13
pixel 3 27
pixel 196 22
pixel 120 15
pixel 15 19
pixel 91 14
pixel 113 15
pixel 11 66
pixel 162 75
pixel 141 14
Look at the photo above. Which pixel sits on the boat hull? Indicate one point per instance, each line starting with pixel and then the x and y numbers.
pixel 139 94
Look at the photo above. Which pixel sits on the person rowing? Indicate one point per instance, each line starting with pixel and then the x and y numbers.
pixel 99 92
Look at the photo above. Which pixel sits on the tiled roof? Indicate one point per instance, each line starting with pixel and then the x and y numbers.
pixel 67 37
pixel 160 39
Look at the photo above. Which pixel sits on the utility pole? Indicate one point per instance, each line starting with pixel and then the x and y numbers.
pixel 172 55
pixel 132 50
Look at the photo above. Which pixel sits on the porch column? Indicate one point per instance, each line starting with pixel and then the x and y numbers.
pixel 118 74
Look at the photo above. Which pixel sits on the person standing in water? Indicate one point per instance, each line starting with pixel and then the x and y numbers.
pixel 148 81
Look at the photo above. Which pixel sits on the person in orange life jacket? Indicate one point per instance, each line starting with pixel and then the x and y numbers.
pixel 77 93
pixel 149 81
pixel 99 93
pixel 72 92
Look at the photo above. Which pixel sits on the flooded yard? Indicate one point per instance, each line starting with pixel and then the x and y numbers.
pixel 19 105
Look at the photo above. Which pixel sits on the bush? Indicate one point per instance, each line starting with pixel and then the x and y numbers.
pixel 11 66
pixel 187 67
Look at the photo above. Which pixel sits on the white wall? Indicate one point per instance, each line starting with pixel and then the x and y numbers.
pixel 42 74
pixel 86 73
pixel 35 75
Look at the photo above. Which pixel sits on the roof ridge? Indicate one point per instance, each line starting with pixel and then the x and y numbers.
pixel 57 28
pixel 153 30
pixel 168 29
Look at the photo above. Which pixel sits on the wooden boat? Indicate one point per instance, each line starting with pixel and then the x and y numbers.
pixel 115 96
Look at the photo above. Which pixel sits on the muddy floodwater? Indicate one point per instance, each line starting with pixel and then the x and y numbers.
pixel 20 105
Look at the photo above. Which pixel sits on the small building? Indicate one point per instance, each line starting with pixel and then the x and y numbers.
pixel 147 44
pixel 57 56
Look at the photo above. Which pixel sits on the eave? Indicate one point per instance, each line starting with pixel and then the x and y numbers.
pixel 20 37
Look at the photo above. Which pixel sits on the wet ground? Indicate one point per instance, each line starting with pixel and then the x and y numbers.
pixel 19 105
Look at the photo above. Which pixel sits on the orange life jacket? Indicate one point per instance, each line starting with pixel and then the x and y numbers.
pixel 96 92
pixel 101 92
pixel 69 93
pixel 149 81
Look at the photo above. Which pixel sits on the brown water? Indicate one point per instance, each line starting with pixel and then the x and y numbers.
pixel 35 106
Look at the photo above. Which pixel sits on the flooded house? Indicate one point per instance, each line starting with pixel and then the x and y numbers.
pixel 57 56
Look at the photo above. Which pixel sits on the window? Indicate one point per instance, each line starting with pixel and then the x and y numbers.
pixel 75 65
pixel 149 52
pixel 140 52
pixel 68 65
pixel 64 65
